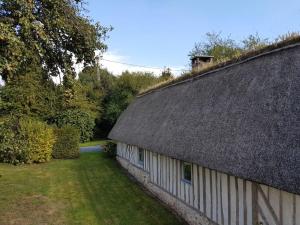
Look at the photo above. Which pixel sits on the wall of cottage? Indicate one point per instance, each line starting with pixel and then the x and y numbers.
pixel 211 197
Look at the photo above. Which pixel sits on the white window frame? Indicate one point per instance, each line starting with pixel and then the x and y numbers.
pixel 183 178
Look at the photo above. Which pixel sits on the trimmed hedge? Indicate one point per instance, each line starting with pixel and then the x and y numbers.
pixel 67 143
pixel 25 140
pixel 40 139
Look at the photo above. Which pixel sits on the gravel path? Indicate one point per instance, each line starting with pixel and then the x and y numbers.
pixel 96 148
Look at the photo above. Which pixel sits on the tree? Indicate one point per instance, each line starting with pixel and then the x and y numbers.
pixel 95 84
pixel 30 95
pixel 49 33
pixel 220 48
pixel 78 119
pixel 40 39
pixel 123 91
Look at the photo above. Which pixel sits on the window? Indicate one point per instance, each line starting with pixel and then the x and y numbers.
pixel 187 172
pixel 141 157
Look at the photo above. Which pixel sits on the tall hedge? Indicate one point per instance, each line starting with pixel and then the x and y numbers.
pixel 67 143
pixel 25 140
pixel 12 149
pixel 79 119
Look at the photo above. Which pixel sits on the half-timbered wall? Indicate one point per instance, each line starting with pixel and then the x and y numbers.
pixel 224 199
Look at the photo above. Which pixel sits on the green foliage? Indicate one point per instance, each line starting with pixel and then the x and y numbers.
pixel 76 98
pixel 225 48
pixel 115 93
pixel 126 87
pixel 96 84
pixel 40 39
pixel 221 48
pixel 33 49
pixel 31 96
pixel 11 50
pixel 30 34
pixel 67 143
pixel 25 140
pixel 80 120
pixel 12 148
pixel 110 149
pixel 40 139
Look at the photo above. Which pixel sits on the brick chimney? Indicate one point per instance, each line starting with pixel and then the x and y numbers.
pixel 199 61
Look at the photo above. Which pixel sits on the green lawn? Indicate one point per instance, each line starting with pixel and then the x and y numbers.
pixel 93 143
pixel 90 190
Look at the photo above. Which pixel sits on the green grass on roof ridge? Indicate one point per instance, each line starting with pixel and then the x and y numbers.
pixel 219 65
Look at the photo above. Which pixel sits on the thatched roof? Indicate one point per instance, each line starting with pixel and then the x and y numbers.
pixel 242 119
pixel 214 66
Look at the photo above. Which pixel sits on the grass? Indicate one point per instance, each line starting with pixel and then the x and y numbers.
pixel 90 190
pixel 93 143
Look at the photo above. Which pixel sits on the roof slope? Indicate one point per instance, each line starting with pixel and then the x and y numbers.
pixel 242 119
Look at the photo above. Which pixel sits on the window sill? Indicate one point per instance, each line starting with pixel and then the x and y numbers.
pixel 186 181
pixel 140 164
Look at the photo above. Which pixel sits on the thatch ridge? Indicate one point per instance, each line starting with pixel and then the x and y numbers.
pixel 277 46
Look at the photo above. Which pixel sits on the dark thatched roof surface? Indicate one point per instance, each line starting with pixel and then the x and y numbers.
pixel 242 119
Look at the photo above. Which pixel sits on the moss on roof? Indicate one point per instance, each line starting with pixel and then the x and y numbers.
pixel 219 65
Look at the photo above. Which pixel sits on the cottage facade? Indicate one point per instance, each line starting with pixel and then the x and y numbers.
pixel 222 147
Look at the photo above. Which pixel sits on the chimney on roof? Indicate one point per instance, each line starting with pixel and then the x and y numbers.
pixel 199 61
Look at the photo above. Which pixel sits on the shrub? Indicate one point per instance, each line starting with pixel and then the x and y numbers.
pixel 81 120
pixel 40 139
pixel 110 148
pixel 12 148
pixel 67 143
pixel 26 140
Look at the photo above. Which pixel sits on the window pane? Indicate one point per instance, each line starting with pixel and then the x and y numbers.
pixel 187 172
pixel 141 156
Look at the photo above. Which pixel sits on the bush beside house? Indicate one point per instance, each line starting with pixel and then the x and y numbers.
pixel 110 149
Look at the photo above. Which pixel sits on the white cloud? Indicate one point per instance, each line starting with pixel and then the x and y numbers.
pixel 113 62
pixel 116 64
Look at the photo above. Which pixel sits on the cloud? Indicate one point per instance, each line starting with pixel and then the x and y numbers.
pixel 116 64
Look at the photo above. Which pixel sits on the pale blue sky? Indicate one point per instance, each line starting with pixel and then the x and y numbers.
pixel 162 32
